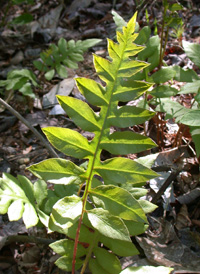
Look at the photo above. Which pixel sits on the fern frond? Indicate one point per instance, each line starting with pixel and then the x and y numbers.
pixel 115 214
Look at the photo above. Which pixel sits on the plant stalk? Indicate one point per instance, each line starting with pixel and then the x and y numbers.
pixel 164 48
pixel 162 36
pixel 89 254
pixel 76 242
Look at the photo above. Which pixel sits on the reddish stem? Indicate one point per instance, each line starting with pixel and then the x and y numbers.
pixel 76 242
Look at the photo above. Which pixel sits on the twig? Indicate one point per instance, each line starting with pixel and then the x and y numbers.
pixel 27 239
pixel 168 181
pixel 24 121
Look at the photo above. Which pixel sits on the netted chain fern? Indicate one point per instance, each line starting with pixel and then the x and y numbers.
pixel 100 217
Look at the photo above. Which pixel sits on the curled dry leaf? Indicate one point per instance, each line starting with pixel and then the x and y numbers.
pixel 183 219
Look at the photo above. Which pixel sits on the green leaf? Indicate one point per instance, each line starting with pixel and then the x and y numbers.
pixel 65 213
pixel 96 268
pixel 22 19
pixel 130 68
pixel 104 68
pixel 192 51
pixel 183 75
pixel 61 70
pixel 88 43
pixel 65 263
pixel 126 142
pixel 130 90
pixel 58 171
pixel 30 217
pixel 50 74
pixel 23 73
pixel 70 64
pixel 118 202
pixel 16 83
pixel 121 248
pixel 137 192
pixel 191 118
pixel 48 60
pixel 147 206
pixel 66 247
pixel 108 225
pixel 44 218
pixel 133 49
pixel 3 83
pixel 172 108
pixel 119 21
pixel 27 90
pixel 152 52
pixel 174 21
pixel 190 87
pixel 147 269
pixel 49 203
pixel 87 235
pixel 11 191
pixel 175 7
pixel 93 91
pixel 147 160
pixel 143 36
pixel 27 186
pixel 74 144
pixel 110 262
pixel 163 75
pixel 38 64
pixel 80 112
pixel 66 190
pixel 164 91
pixel 197 98
pixel 127 116
pixel 121 170
pixel 40 191
pixel 135 228
pixel 62 45
pixel 15 210
pixel 76 57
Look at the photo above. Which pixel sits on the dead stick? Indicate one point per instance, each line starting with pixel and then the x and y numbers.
pixel 168 181
pixel 27 239
pixel 24 121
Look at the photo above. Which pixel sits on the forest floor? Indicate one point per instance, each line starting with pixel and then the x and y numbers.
pixel 173 238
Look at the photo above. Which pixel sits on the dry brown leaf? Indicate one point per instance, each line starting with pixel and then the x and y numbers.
pixel 182 219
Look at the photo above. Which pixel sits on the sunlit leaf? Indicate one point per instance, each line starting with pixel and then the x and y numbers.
pixel 118 202
pixel 108 225
pixel 57 171
pixel 121 170
pixel 80 112
pixel 68 141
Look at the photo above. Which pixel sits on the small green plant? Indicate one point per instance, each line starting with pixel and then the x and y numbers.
pixel 66 54
pixel 96 205
pixel 21 80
